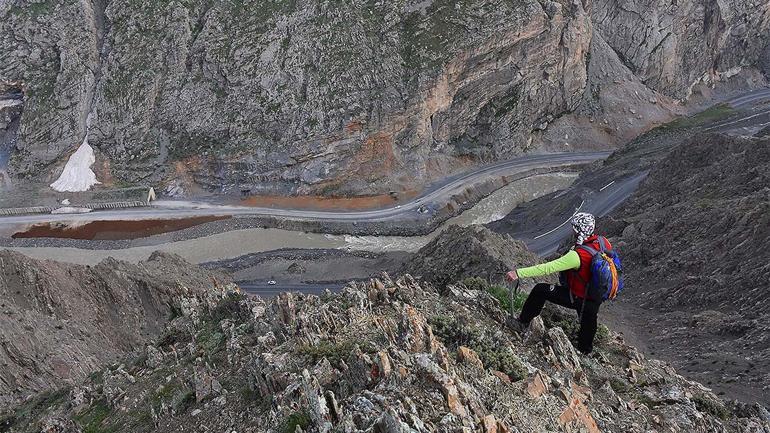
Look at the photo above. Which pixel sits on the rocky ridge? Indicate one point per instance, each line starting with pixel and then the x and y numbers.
pixel 384 356
pixel 467 252
pixel 60 322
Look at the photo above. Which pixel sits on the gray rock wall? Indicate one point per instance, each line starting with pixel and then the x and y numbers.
pixel 322 97
pixel 673 45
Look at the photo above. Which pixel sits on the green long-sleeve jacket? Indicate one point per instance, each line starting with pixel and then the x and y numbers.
pixel 571 260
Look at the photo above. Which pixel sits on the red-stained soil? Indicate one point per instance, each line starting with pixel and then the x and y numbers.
pixel 329 203
pixel 113 230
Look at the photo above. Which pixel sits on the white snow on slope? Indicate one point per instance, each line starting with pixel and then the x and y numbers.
pixel 77 175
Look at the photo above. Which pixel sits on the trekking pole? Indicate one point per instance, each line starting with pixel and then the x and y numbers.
pixel 513 292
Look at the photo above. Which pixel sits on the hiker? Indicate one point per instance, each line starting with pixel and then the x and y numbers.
pixel 575 269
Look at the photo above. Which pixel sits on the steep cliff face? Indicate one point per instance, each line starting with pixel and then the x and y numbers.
pixel 673 46
pixel 349 97
pixel 311 93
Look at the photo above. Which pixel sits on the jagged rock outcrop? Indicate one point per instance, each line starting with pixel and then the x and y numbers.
pixel 465 252
pixel 351 97
pixel 382 356
pixel 60 322
pixel 698 261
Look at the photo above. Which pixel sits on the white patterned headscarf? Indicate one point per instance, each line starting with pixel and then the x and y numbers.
pixel 583 223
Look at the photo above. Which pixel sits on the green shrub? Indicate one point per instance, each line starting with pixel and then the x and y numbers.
pixel 455 333
pixel 711 406
pixel 182 400
pixel 229 308
pixel 92 419
pixel 602 334
pixel 505 361
pixel 620 386
pixel 475 283
pixel 333 351
pixel 301 419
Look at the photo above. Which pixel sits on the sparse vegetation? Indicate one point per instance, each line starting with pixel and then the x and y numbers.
pixel 299 418
pixel 92 420
pixel 455 333
pixel 19 420
pixel 711 406
pixel 710 115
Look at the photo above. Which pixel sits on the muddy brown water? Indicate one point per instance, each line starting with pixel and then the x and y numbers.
pixel 236 243
pixel 113 230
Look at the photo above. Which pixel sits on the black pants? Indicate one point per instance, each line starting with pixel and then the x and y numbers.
pixel 560 295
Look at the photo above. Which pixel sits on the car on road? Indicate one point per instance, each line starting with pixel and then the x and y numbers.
pixel 271 283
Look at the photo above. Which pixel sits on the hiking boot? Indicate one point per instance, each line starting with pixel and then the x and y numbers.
pixel 518 326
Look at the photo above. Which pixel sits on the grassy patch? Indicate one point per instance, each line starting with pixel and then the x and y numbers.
pixel 300 418
pixel 711 406
pixel 502 294
pixel 92 420
pixel 710 115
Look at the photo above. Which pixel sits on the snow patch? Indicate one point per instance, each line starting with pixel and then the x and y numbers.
pixel 77 175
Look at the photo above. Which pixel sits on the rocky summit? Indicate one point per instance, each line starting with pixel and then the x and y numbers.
pixel 467 252
pixel 348 96
pixel 381 356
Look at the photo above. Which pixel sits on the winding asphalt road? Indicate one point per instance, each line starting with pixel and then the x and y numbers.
pixel 408 210
pixel 600 203
pixel 753 115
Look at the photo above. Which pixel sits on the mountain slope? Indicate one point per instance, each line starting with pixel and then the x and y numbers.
pixel 384 356
pixel 694 240
pixel 60 322
pixel 353 97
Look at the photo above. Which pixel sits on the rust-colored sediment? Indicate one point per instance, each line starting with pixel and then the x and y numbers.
pixel 328 203
pixel 113 230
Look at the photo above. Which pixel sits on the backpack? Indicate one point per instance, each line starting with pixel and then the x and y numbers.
pixel 606 272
